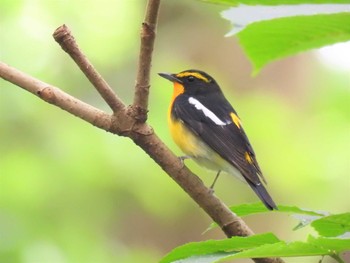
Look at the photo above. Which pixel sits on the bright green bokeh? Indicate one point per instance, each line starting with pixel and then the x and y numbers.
pixel 72 193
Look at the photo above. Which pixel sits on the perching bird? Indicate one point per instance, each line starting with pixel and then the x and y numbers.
pixel 207 129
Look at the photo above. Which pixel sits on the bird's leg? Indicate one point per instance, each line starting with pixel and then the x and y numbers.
pixel 183 158
pixel 216 178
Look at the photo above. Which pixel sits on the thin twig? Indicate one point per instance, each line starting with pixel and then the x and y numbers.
pixel 63 36
pixel 148 34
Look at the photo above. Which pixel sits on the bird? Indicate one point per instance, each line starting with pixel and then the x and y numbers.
pixel 208 130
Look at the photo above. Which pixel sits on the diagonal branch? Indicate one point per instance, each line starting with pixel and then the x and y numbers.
pixel 63 36
pixel 148 34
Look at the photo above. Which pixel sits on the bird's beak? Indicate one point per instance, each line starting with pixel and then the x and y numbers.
pixel 170 77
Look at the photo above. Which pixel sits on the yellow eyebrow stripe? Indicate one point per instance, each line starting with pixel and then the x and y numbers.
pixel 193 74
pixel 235 120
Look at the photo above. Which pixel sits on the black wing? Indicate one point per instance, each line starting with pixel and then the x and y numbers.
pixel 229 140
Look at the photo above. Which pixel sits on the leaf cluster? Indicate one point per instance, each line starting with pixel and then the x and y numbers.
pixel 333 239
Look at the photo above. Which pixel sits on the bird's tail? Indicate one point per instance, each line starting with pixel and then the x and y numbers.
pixel 264 196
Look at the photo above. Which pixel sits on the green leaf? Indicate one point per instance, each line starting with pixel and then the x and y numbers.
pixel 333 225
pixel 281 249
pixel 266 41
pixel 256 208
pixel 337 245
pixel 275 2
pixel 267 34
pixel 313 247
pixel 244 15
pixel 305 216
pixel 218 248
pixel 209 258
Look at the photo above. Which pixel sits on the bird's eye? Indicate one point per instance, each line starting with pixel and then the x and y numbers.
pixel 190 78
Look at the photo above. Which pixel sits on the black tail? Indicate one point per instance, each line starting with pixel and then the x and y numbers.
pixel 264 196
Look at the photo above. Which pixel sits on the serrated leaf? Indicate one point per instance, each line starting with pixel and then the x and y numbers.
pixel 266 41
pixel 304 215
pixel 313 247
pixel 256 208
pixel 209 258
pixel 333 225
pixel 281 249
pixel 213 247
pixel 337 245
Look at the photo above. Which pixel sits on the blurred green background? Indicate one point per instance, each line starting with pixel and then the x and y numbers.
pixel 71 193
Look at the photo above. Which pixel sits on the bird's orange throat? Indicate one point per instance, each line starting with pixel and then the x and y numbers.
pixel 178 90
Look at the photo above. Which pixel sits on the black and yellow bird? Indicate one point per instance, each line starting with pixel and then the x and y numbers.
pixel 207 129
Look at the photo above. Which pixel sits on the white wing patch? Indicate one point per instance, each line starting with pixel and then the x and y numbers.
pixel 208 113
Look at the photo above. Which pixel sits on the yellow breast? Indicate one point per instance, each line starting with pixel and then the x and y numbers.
pixel 184 138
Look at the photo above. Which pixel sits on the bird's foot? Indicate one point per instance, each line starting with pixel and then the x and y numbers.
pixel 183 158
pixel 211 190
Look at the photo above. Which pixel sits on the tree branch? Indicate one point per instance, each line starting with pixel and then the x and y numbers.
pixel 63 36
pixel 56 97
pixel 131 125
pixel 148 34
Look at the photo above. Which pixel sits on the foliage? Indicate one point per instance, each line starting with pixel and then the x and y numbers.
pixel 286 29
pixel 328 243
pixel 267 41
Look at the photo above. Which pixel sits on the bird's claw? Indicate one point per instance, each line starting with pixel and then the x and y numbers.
pixel 211 190
pixel 183 158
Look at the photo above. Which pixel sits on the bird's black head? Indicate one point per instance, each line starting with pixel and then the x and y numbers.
pixel 194 82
